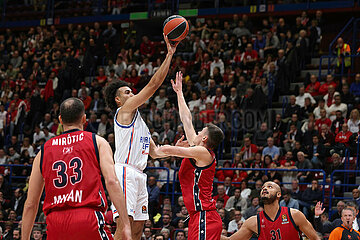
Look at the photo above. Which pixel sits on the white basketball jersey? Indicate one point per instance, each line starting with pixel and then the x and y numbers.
pixel 132 142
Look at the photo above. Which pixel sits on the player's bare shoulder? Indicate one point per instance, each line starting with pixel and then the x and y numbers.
pixel 251 224
pixel 297 215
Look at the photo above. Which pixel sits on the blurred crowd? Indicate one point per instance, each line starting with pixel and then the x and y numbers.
pixel 231 68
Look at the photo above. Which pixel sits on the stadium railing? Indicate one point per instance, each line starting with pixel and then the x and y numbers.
pixel 349 34
pixel 9 170
pixel 323 182
pixel 166 182
pixel 345 185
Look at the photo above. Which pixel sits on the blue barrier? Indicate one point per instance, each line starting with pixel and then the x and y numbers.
pixel 11 170
pixel 258 169
pixel 167 180
pixel 331 66
pixel 332 184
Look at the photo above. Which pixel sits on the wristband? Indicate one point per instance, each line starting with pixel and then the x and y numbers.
pixel 316 216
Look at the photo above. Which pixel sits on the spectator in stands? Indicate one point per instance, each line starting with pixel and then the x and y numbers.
pixel 161 99
pixel 337 106
pixel 233 224
pixel 272 44
pixel 329 98
pixel 217 62
pixel 256 191
pixel 252 210
pixel 271 150
pixel 221 194
pixel 248 151
pixel 249 57
pixel 167 133
pixel 17 203
pixel 339 207
pixel 342 139
pixel 37 233
pixel 292 107
pixel 295 190
pixel 236 202
pixel 16 60
pixel 300 99
pixel 316 151
pixel 329 82
pixel 343 52
pixel 146 65
pixel 303 163
pixel 261 136
pixel 326 137
pixel 154 193
pixel 355 88
pixel 337 122
pixel 322 120
pixel 293 136
pixel 147 48
pixel 310 197
pixel 241 30
pixel 245 191
pixel 354 121
pixel 313 87
pixel 163 175
pixel 289 202
pixel 229 189
pixel 147 233
pixel 356 195
pixel 180 235
pixel 217 99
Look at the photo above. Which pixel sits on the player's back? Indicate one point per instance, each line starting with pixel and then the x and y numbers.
pixel 283 226
pixel 197 185
pixel 71 170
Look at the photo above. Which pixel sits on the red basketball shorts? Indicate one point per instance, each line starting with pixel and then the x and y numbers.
pixel 78 223
pixel 205 225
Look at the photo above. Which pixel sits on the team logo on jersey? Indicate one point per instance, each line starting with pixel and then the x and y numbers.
pixel 284 219
pixel 67 150
pixel 144 209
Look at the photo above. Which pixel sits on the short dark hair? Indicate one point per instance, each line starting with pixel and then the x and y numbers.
pixel 179 231
pixel 71 110
pixel 111 91
pixel 215 136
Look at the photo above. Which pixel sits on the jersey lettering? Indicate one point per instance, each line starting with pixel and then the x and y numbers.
pixel 275 235
pixel 62 177
pixel 76 165
pixel 60 168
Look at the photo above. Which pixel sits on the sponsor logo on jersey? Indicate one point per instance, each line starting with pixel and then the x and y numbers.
pixel 145 143
pixel 67 150
pixel 284 219
pixel 144 209
pixel 69 197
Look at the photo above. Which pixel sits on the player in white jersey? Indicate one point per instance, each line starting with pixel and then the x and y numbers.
pixel 133 142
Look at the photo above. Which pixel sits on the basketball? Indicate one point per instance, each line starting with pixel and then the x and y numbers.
pixel 175 28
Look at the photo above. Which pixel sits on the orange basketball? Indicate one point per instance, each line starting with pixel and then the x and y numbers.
pixel 176 28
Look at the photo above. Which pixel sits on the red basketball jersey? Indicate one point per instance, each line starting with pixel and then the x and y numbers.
pixel 283 227
pixel 71 171
pixel 197 185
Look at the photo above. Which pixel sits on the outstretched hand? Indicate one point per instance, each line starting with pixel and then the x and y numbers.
pixel 171 48
pixel 319 209
pixel 182 143
pixel 177 85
